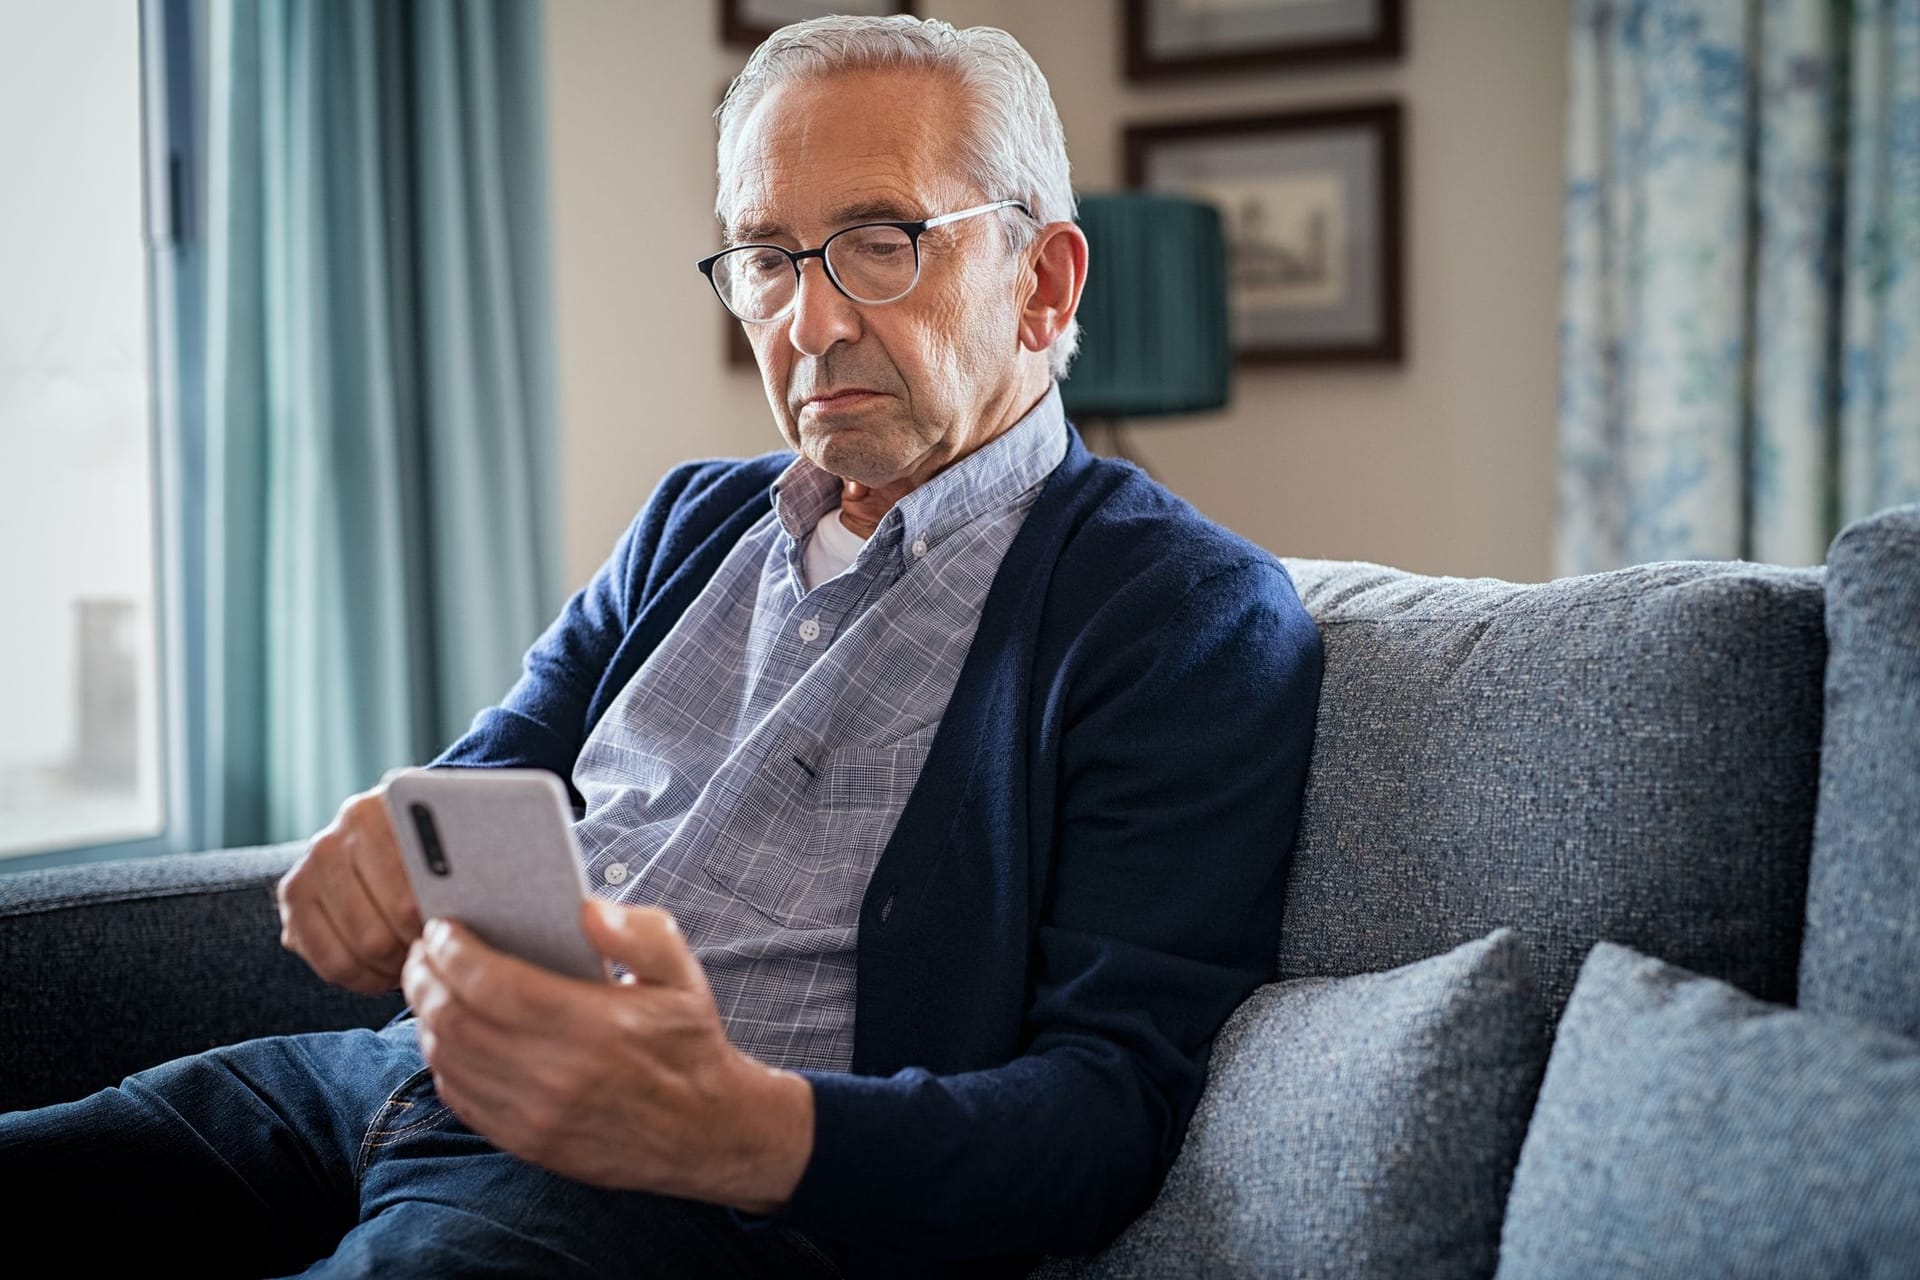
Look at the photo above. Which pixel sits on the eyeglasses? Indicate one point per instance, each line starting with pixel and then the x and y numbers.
pixel 871 263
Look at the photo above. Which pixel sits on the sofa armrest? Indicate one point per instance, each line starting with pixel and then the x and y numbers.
pixel 108 968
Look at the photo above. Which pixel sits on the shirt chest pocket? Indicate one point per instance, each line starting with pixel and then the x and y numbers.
pixel 831 817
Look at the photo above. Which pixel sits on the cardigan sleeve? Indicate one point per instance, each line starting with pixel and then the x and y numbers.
pixel 1182 760
pixel 542 722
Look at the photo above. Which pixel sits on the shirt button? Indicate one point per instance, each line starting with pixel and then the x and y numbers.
pixel 615 873
pixel 919 547
pixel 810 630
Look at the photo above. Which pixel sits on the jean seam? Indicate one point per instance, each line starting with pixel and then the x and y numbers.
pixel 383 1135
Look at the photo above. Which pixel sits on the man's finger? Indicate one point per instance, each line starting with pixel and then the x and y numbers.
pixel 383 881
pixel 318 938
pixel 346 915
pixel 644 939
pixel 503 990
pixel 308 931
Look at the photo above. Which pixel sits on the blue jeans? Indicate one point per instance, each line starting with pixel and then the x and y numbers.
pixel 330 1155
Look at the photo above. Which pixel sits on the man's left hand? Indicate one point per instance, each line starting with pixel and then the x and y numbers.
pixel 630 1084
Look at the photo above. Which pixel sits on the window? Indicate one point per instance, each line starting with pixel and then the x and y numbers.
pixel 81 658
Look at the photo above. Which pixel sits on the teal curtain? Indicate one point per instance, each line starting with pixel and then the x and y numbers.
pixel 1741 308
pixel 380 509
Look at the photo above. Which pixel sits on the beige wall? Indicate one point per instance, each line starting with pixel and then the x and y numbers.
pixel 1444 465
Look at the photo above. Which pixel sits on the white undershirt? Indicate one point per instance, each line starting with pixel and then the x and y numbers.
pixel 831 549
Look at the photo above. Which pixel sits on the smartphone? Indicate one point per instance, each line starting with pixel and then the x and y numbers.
pixel 494 850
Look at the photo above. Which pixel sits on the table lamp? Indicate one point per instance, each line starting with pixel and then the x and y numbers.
pixel 1153 317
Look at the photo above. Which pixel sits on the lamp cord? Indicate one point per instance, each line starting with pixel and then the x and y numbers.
pixel 1116 442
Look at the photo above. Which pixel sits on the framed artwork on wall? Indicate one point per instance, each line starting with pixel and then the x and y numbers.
pixel 1193 37
pixel 739 349
pixel 748 22
pixel 1311 202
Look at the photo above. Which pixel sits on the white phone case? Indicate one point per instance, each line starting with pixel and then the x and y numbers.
pixel 494 850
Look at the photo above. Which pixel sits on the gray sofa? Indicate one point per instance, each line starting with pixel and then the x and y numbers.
pixel 1601 951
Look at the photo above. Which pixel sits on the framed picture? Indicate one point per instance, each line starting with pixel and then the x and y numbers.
pixel 748 22
pixel 1190 37
pixel 1311 206
pixel 739 349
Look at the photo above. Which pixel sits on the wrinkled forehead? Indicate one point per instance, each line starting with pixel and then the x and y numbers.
pixel 819 153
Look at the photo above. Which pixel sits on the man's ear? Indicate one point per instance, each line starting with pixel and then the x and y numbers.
pixel 1059 260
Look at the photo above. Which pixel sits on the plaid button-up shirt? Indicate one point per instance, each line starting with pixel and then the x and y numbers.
pixel 750 774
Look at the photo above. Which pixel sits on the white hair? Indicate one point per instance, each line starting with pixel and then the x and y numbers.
pixel 1012 148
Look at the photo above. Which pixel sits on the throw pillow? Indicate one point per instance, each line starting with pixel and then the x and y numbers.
pixel 1356 1127
pixel 1630 755
pixel 1688 1129
pixel 1862 952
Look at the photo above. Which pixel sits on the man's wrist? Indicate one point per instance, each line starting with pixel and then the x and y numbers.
pixel 777 1116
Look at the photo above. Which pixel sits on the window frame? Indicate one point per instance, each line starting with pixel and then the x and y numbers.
pixel 171 101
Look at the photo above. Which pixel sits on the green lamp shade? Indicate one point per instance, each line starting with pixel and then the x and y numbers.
pixel 1153 316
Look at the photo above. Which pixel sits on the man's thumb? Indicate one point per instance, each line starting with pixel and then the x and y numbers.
pixel 644 939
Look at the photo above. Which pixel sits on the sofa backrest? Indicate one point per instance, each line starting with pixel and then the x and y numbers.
pixel 1630 756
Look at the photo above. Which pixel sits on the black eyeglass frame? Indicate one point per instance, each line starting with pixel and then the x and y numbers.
pixel 913 230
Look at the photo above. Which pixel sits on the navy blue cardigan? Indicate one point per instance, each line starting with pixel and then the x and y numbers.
pixel 1083 885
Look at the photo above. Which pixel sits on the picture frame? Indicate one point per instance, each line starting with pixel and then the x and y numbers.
pixel 1312 206
pixel 739 346
pixel 1196 37
pixel 747 22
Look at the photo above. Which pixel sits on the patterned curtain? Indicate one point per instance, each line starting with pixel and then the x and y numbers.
pixel 1741 313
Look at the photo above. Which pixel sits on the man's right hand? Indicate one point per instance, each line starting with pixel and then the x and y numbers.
pixel 346 907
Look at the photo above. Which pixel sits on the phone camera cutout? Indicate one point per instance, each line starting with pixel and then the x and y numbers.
pixel 429 838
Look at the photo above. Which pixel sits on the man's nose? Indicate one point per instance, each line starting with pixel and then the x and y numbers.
pixel 822 315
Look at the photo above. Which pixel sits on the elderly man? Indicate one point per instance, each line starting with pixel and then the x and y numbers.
pixel 935 785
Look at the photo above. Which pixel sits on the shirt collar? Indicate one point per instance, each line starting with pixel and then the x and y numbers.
pixel 991 479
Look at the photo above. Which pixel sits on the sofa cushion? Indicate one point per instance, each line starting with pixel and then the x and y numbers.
pixel 1862 951
pixel 1687 1129
pixel 1362 1126
pixel 1629 755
